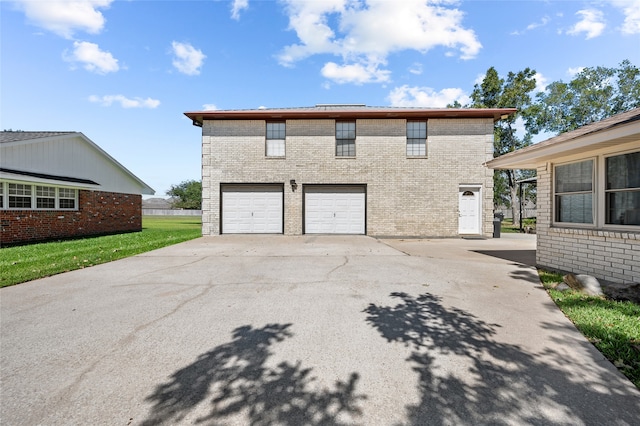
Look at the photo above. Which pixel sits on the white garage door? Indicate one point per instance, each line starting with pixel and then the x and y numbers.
pixel 252 209
pixel 335 210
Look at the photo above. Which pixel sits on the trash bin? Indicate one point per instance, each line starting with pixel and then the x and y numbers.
pixel 497 224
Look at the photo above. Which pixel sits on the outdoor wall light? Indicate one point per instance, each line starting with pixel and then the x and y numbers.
pixel 294 185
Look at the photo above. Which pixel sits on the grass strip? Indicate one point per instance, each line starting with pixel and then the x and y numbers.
pixel 613 327
pixel 29 262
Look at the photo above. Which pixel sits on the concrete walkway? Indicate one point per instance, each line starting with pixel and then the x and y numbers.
pixel 308 330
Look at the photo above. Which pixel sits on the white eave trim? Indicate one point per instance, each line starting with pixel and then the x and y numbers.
pixel 19 178
pixel 531 157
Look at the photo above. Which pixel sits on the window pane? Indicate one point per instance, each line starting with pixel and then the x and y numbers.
pixel 623 171
pixel 623 208
pixel 46 203
pixel 574 177
pixel 345 130
pixel 416 147
pixel 46 191
pixel 67 193
pixel 276 130
pixel 275 148
pixel 575 208
pixel 66 203
pixel 346 148
pixel 19 189
pixel 417 129
pixel 18 202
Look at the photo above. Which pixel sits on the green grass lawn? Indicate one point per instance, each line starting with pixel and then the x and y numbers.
pixel 29 262
pixel 613 327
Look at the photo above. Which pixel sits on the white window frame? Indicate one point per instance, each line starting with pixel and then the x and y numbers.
pixel 594 203
pixel 599 194
pixel 33 196
pixel 603 205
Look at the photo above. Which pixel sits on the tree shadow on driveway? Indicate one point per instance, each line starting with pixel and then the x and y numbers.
pixel 465 376
pixel 236 380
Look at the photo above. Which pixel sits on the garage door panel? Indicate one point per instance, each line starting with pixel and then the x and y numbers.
pixel 252 209
pixel 335 210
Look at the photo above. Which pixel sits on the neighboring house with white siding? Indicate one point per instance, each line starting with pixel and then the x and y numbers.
pixel 61 185
pixel 348 169
pixel 588 218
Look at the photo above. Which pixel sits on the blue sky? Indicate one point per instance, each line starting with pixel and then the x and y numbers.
pixel 124 72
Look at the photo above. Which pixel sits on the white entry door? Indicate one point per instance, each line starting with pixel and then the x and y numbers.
pixel 252 209
pixel 469 208
pixel 335 210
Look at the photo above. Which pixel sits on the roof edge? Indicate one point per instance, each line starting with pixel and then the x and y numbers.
pixel 324 112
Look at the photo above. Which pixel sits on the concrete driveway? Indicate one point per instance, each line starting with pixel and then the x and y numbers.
pixel 304 330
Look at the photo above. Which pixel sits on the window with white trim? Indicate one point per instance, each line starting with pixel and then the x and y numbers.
pixel 67 198
pixel 19 196
pixel 345 138
pixel 416 138
pixel 276 137
pixel 37 197
pixel 573 192
pixel 622 189
pixel 45 197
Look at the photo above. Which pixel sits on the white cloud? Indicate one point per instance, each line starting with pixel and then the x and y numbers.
pixel 125 102
pixel 94 59
pixel 237 6
pixel 416 68
pixel 592 23
pixel 187 59
pixel 543 22
pixel 631 10
pixel 406 96
pixel 363 33
pixel 209 107
pixel 65 17
pixel 541 82
pixel 354 73
pixel 573 71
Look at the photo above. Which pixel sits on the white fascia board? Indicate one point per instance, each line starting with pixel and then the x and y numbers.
pixel 531 157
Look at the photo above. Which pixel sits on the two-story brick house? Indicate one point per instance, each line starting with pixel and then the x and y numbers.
pixel 348 169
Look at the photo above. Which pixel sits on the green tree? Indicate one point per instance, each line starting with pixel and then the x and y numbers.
pixel 188 195
pixel 593 94
pixel 513 92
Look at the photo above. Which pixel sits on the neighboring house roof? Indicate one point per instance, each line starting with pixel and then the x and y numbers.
pixel 71 159
pixel 343 111
pixel 157 203
pixel 613 131
pixel 11 136
pixel 48 177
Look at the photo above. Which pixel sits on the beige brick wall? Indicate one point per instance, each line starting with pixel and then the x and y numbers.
pixel 405 196
pixel 609 255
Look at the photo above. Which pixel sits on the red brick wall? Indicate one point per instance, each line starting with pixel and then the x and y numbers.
pixel 98 213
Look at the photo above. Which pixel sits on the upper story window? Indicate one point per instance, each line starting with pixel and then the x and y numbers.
pixel 573 192
pixel 37 197
pixel 345 138
pixel 276 135
pixel 416 138
pixel 622 190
